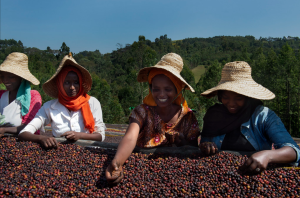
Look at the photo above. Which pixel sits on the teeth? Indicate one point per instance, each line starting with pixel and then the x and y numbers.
pixel 162 100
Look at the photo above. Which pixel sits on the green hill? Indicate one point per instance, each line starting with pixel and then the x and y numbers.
pixel 198 71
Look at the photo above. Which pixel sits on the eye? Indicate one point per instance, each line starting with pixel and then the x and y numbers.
pixel 66 82
pixel 155 90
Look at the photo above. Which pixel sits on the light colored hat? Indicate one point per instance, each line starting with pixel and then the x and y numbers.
pixel 17 63
pixel 236 77
pixel 50 87
pixel 170 62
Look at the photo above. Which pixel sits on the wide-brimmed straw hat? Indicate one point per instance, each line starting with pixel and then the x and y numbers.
pixel 17 63
pixel 170 62
pixel 236 77
pixel 50 87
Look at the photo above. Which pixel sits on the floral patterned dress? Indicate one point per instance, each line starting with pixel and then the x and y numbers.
pixel 153 128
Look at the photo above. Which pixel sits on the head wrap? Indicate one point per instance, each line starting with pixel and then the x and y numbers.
pixel 80 101
pixel 148 100
pixel 24 96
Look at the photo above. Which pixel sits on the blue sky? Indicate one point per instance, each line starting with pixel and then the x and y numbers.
pixel 101 24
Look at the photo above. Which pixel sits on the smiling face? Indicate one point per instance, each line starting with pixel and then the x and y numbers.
pixel 11 81
pixel 233 101
pixel 71 84
pixel 163 90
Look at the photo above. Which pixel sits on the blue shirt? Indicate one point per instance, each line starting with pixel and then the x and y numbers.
pixel 263 129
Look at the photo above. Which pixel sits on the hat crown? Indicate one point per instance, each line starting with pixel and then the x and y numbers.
pixel 16 59
pixel 236 71
pixel 172 59
pixel 17 63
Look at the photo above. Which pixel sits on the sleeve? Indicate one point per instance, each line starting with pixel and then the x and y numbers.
pixel 98 118
pixel 138 115
pixel 35 105
pixel 277 133
pixel 41 118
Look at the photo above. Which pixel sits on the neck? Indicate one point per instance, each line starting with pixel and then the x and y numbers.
pixel 12 95
pixel 168 110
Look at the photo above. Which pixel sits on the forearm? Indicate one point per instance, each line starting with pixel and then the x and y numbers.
pixel 90 136
pixel 27 136
pixel 13 130
pixel 285 154
pixel 125 149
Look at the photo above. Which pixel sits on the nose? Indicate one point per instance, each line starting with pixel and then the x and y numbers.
pixel 72 86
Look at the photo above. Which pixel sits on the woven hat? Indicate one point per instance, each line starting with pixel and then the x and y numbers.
pixel 50 87
pixel 236 77
pixel 170 62
pixel 17 63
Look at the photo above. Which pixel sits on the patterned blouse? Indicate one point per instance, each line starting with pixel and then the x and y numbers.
pixel 153 128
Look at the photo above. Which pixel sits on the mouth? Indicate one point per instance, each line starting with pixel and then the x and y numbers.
pixel 162 100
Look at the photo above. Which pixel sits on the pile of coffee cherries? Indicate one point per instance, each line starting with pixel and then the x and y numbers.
pixel 28 170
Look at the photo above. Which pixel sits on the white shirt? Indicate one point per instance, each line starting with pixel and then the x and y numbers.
pixel 63 120
pixel 11 111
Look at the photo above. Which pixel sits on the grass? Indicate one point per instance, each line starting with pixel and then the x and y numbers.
pixel 198 71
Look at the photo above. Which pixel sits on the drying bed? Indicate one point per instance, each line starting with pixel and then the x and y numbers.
pixel 27 170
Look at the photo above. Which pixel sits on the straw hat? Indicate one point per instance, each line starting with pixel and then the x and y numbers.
pixel 170 62
pixel 50 87
pixel 17 63
pixel 236 77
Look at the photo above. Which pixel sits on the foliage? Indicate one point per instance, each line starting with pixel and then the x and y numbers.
pixel 275 64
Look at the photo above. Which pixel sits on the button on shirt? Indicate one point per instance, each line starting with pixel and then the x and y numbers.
pixel 63 120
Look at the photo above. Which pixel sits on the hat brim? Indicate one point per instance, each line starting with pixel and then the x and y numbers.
pixel 250 89
pixel 23 74
pixel 50 87
pixel 143 75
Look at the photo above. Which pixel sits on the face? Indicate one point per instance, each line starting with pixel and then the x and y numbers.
pixel 163 90
pixel 233 101
pixel 11 81
pixel 71 84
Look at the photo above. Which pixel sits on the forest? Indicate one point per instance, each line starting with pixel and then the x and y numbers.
pixel 275 64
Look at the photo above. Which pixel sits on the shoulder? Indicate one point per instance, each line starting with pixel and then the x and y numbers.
pixel 35 96
pixel 142 108
pixel 94 102
pixel 264 114
pixel 50 103
pixel 35 93
pixel 1 92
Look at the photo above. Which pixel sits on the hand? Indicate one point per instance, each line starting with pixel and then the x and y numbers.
pixel 71 135
pixel 114 172
pixel 48 142
pixel 257 163
pixel 208 148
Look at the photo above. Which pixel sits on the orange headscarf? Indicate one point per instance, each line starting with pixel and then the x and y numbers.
pixel 80 101
pixel 148 100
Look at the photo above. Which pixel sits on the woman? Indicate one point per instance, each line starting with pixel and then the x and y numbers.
pixel 74 114
pixel 18 103
pixel 242 123
pixel 164 117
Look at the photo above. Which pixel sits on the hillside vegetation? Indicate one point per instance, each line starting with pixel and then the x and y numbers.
pixel 275 64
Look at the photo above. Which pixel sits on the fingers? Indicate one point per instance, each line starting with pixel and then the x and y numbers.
pixel 50 143
pixel 119 179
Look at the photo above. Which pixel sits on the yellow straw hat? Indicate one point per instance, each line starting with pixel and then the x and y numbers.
pixel 236 77
pixel 172 63
pixel 50 87
pixel 17 63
